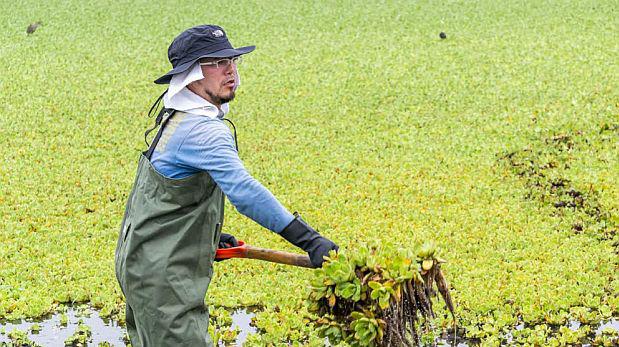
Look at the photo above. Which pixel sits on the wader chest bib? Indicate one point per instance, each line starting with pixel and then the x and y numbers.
pixel 165 252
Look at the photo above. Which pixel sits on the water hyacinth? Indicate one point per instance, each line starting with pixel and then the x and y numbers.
pixel 364 300
pixel 379 132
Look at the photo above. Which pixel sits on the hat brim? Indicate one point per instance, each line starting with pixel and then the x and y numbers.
pixel 224 53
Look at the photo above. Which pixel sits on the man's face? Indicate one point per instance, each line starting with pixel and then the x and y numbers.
pixel 219 82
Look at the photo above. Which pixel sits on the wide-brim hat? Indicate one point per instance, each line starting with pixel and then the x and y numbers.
pixel 203 41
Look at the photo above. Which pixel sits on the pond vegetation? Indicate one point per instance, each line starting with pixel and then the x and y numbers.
pixel 497 142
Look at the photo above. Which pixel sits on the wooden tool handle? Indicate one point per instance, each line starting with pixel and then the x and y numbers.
pixel 278 257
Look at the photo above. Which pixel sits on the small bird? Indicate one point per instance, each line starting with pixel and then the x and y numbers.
pixel 442 35
pixel 33 27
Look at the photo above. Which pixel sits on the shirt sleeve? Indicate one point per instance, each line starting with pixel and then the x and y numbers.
pixel 209 146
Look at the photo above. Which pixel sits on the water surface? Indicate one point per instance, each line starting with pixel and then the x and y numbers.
pixel 52 333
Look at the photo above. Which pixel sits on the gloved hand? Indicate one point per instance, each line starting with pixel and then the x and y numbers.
pixel 300 234
pixel 227 241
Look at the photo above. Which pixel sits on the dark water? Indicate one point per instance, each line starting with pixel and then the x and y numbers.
pixel 52 333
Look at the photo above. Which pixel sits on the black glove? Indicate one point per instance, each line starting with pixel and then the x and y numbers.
pixel 305 237
pixel 227 241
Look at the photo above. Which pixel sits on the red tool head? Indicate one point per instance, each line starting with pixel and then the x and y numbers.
pixel 233 252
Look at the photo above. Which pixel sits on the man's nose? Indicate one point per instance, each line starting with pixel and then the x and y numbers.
pixel 230 68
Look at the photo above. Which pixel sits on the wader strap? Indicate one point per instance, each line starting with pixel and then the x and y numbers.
pixel 152 111
pixel 236 143
pixel 162 118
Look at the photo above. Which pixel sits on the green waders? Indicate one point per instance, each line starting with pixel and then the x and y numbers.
pixel 165 252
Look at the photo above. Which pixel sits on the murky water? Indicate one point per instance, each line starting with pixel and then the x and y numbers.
pixel 52 333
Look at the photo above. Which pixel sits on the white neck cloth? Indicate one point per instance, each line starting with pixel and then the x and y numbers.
pixel 180 98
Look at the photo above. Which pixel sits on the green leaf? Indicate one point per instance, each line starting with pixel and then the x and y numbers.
pixel 383 302
pixel 375 285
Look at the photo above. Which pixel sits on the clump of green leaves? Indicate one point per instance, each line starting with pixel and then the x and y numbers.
pixel 80 337
pixel 608 337
pixel 20 338
pixel 365 300
pixel 220 326
pixel 64 319
pixel 35 328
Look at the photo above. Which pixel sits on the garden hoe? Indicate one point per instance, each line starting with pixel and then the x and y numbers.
pixel 247 251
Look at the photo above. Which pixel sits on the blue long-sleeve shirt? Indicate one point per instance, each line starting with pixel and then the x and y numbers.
pixel 192 143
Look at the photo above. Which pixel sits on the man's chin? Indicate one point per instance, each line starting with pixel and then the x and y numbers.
pixel 227 99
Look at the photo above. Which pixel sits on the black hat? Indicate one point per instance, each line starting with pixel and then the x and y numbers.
pixel 203 41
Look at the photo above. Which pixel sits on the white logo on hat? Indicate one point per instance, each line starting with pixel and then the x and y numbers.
pixel 218 33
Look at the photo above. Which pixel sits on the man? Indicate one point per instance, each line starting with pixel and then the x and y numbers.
pixel 174 214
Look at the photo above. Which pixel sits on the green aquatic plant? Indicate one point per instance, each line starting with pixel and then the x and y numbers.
pixel 19 338
pixel 608 337
pixel 381 292
pixel 368 330
pixel 349 290
pixel 220 326
pixel 35 328
pixel 64 319
pixel 385 300
pixel 80 337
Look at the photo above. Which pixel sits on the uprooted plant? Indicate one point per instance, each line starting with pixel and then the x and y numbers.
pixel 365 300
